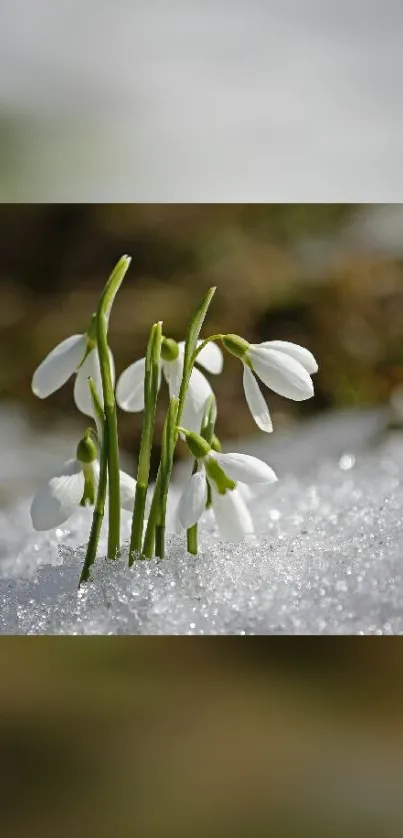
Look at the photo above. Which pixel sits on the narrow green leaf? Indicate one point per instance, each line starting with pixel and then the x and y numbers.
pixel 192 337
pixel 196 324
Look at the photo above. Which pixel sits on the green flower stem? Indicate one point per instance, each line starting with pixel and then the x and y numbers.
pixel 151 382
pixel 167 459
pixel 103 312
pixel 155 530
pixel 101 493
pixel 149 538
pixel 192 540
pixel 207 432
pixel 192 532
pixel 203 344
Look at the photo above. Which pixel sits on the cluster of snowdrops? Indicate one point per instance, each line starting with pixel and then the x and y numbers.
pixel 219 482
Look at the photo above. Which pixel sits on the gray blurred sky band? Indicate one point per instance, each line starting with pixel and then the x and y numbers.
pixel 295 100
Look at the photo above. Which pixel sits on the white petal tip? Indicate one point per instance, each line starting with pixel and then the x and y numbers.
pixel 256 402
pixel 266 427
pixel 37 391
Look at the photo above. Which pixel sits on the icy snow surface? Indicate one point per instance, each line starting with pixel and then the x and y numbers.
pixel 329 561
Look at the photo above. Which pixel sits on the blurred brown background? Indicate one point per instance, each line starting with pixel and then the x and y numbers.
pixel 216 737
pixel 327 275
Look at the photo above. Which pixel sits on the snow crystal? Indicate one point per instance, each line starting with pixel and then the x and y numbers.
pixel 329 560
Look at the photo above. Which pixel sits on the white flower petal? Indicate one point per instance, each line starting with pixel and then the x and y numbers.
pixel 127 491
pixel 193 501
pixel 130 387
pixel 232 515
pixel 304 356
pixel 258 499
pixel 256 402
pixel 172 523
pixel 90 368
pixel 245 468
pixel 96 471
pixel 210 357
pixel 59 365
pixel 198 392
pixel 247 492
pixel 58 499
pixel 173 371
pixel 281 373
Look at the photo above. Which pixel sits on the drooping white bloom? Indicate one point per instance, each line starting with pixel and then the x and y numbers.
pixel 224 474
pixel 75 355
pixel 130 386
pixel 284 367
pixel 74 484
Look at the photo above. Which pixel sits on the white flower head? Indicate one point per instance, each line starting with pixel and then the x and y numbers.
pixel 217 483
pixel 284 367
pixel 77 355
pixel 75 484
pixel 130 386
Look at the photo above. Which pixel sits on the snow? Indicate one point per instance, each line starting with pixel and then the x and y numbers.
pixel 328 560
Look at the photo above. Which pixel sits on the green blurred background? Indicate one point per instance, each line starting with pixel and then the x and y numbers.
pixel 220 737
pixel 328 276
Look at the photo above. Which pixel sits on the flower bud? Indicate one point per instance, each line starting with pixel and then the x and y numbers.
pixel 236 345
pixel 86 449
pixel 169 349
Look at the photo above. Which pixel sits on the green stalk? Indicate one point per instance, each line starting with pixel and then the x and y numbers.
pixel 204 343
pixel 167 459
pixel 149 538
pixel 192 545
pixel 191 349
pixel 207 432
pixel 192 533
pixel 151 381
pixel 99 507
pixel 155 530
pixel 103 312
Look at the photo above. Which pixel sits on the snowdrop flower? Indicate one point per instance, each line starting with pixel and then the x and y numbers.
pixel 217 483
pixel 130 386
pixel 75 484
pixel 284 367
pixel 76 355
